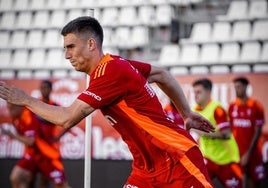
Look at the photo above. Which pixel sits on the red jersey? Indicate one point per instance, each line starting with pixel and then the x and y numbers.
pixel 173 113
pixel 244 118
pixel 27 125
pixel 119 88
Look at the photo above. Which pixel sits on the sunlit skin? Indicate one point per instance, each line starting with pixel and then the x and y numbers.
pixel 202 96
pixel 82 52
pixel 241 91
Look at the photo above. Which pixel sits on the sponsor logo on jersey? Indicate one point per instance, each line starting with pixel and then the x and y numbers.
pixel 242 123
pixel 97 97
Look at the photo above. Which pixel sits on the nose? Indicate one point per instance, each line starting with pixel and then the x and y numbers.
pixel 67 54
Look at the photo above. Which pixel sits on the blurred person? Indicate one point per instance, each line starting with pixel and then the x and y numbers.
pixel 220 149
pixel 164 155
pixel 48 132
pixel 27 129
pixel 247 118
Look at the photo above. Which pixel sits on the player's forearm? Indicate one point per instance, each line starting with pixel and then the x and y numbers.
pixel 255 139
pixel 54 114
pixel 173 90
pixel 28 141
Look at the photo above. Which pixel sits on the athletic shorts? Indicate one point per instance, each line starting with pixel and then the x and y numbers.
pixel 45 166
pixel 189 171
pixel 255 170
pixel 230 175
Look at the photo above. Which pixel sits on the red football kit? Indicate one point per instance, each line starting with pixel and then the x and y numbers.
pixel 244 119
pixel 33 159
pixel 164 154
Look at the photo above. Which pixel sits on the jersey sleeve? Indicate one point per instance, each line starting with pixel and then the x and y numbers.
pixel 260 120
pixel 221 118
pixel 143 68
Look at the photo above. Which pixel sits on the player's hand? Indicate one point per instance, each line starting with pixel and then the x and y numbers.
pixel 196 121
pixel 12 94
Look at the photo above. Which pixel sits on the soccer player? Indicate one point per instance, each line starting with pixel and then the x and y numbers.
pixel 220 149
pixel 27 129
pixel 247 118
pixel 47 133
pixel 164 155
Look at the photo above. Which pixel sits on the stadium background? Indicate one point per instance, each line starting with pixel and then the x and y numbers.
pixel 192 38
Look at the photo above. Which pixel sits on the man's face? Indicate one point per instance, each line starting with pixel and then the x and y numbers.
pixel 240 89
pixel 201 95
pixel 77 52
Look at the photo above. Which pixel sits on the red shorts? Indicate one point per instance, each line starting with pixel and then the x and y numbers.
pixel 45 166
pixel 190 171
pixel 255 170
pixel 230 175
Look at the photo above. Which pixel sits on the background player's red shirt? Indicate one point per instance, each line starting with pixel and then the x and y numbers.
pixel 244 118
pixel 27 125
pixel 119 88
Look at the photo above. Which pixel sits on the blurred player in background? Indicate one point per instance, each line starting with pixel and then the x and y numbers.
pixel 247 118
pixel 27 128
pixel 47 131
pixel 220 148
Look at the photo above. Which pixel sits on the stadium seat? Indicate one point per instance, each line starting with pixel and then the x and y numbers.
pixel 229 53
pixel 21 4
pixel 123 36
pixel 24 20
pixel 54 59
pixel 74 13
pixel 164 14
pixel 4 38
pixel 25 74
pixel 57 18
pixel 221 31
pixel 8 20
pixel 41 19
pixel 189 54
pixel 37 58
pixel 237 10
pixel 35 38
pixel 146 15
pixel 6 5
pixel 109 16
pixel 19 59
pixel 241 31
pixel 264 53
pixel 54 4
pixel 128 16
pixel 201 32
pixel 52 38
pixel 140 36
pixel 108 37
pixel 259 31
pixel 7 74
pixel 18 39
pixel 5 56
pixel 70 4
pixel 37 4
pixel 250 52
pixel 209 53
pixel 169 55
pixel 258 9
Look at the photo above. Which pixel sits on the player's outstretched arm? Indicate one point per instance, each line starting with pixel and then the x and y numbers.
pixel 174 91
pixel 63 116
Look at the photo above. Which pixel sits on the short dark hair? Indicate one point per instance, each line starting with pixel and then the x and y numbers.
pixel 205 82
pixel 48 83
pixel 242 80
pixel 84 25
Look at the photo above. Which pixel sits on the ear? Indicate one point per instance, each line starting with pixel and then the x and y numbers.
pixel 91 44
